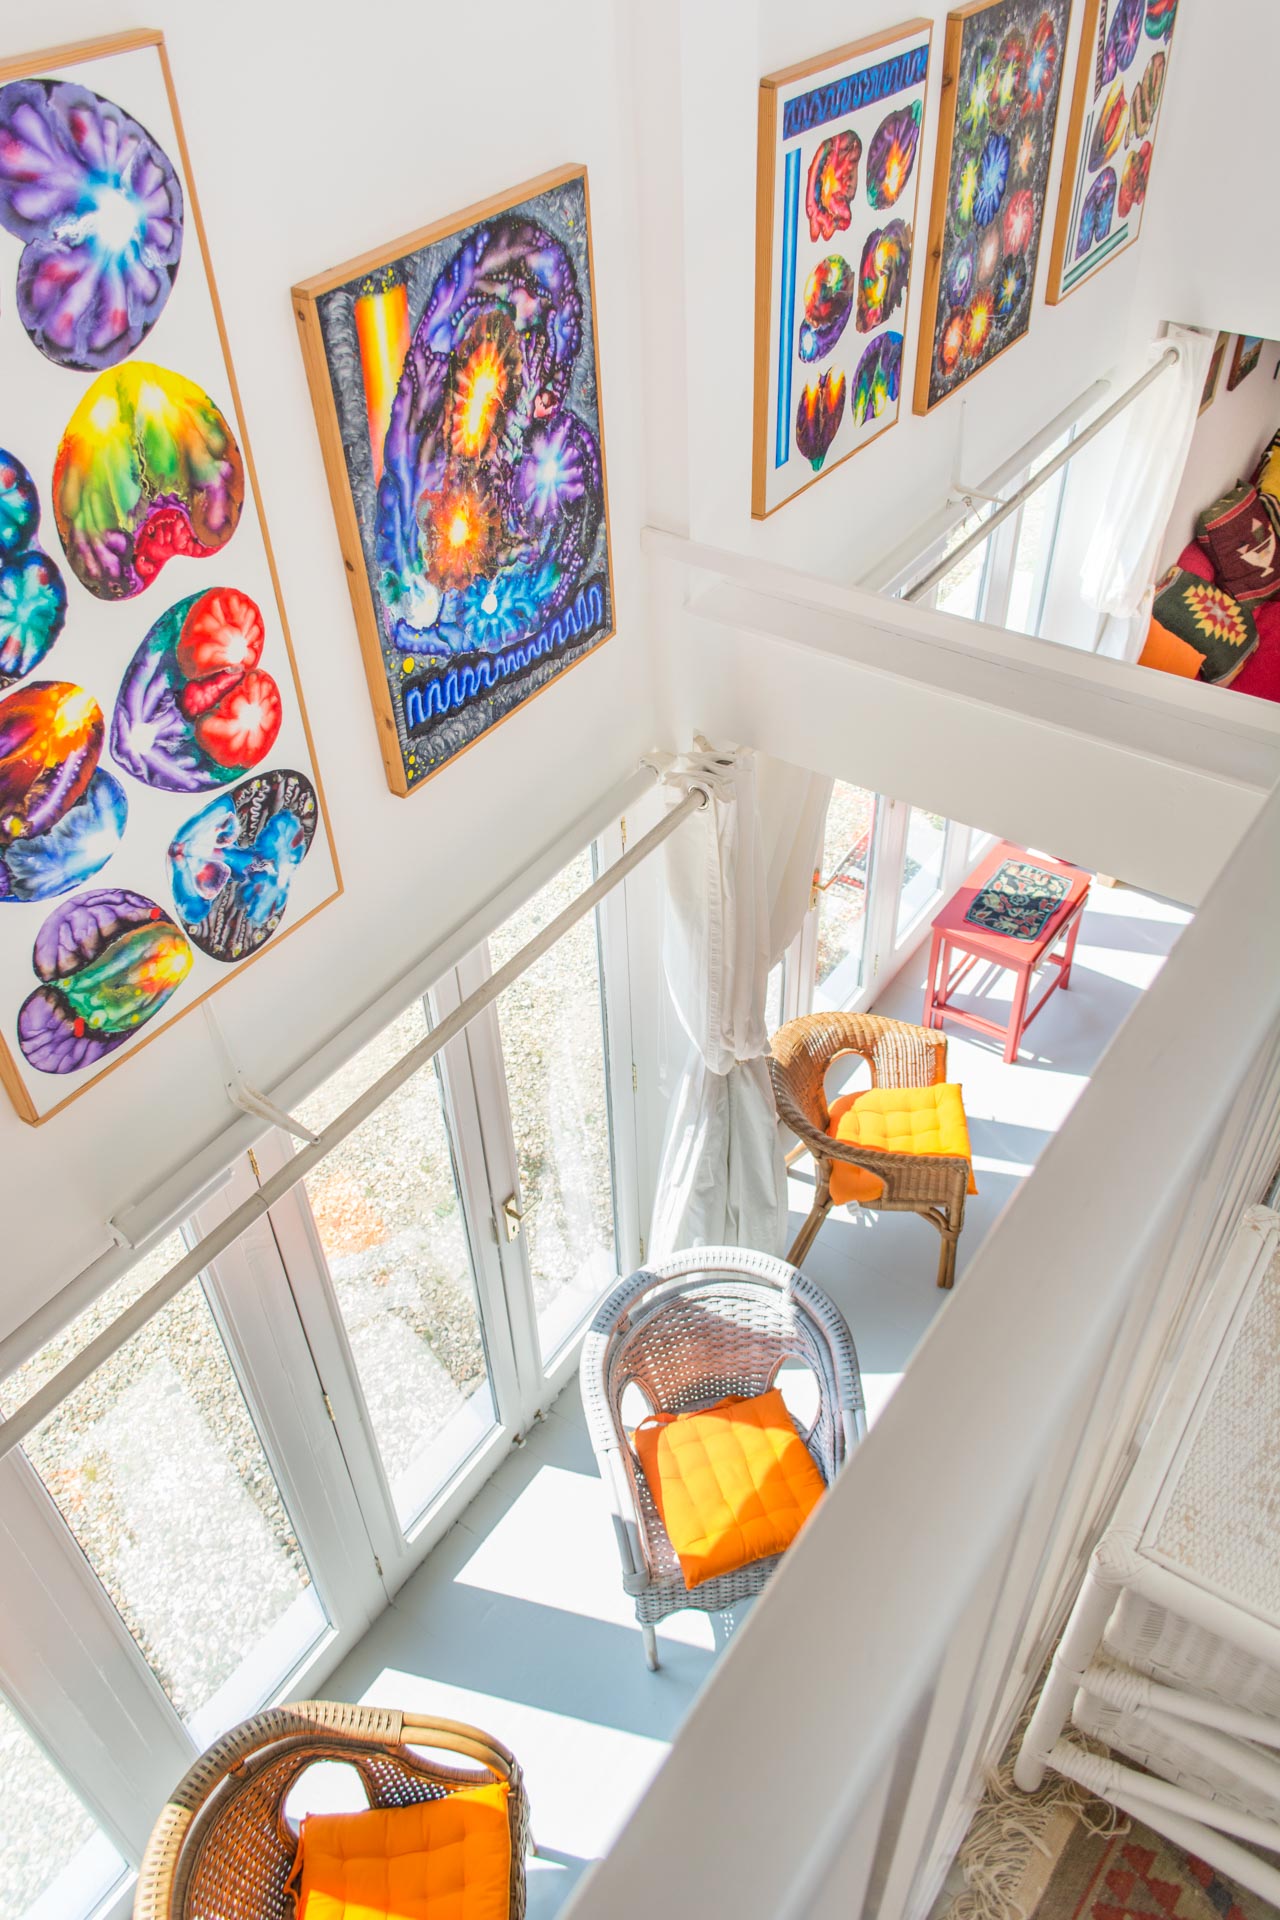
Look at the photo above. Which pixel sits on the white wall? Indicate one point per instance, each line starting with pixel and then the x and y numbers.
pixel 1229 436
pixel 315 133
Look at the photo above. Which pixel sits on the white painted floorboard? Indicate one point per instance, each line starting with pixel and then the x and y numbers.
pixel 517 1620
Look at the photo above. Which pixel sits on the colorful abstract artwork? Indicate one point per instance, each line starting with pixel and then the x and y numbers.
pixel 149 700
pixel 838 190
pixel 1245 357
pixel 1002 78
pixel 1111 136
pixel 33 598
pixel 460 381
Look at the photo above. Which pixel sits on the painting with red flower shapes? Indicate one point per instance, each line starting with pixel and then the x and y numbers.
pixel 1111 137
pixel 837 191
pixel 146 672
pixel 457 391
pixel 1002 77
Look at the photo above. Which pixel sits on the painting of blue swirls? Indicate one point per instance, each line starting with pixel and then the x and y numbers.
pixel 457 388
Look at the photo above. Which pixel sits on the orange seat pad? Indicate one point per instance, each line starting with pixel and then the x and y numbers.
pixel 895 1120
pixel 447 1859
pixel 733 1483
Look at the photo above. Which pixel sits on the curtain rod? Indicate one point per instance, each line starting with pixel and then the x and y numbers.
pixel 986 527
pixel 48 1397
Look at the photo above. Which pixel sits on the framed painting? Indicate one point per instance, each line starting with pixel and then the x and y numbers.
pixel 1245 357
pixel 161 817
pixel 1001 81
pixel 456 383
pixel 1214 374
pixel 1111 136
pixel 837 190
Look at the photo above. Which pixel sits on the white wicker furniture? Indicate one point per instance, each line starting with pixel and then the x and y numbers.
pixel 1172 1651
pixel 686 1332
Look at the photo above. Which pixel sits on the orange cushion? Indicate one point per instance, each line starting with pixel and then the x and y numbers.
pixel 1169 654
pixel 734 1483
pixel 895 1120
pixel 444 1859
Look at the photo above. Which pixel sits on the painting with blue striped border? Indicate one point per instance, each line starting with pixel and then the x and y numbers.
pixel 456 382
pixel 840 149
pixel 1111 137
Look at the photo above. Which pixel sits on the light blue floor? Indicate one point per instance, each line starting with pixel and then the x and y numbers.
pixel 517 1620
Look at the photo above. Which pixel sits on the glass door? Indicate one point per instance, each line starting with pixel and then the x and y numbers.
pixel 843 891
pixel 56 1860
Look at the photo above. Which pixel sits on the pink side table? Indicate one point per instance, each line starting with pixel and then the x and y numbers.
pixel 956 939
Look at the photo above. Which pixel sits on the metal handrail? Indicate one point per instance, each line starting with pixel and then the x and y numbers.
pixel 986 527
pixel 26 1418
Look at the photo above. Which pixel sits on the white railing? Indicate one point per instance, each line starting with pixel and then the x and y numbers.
pixel 832 1762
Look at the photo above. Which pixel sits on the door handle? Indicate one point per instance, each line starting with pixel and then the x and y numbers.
pixel 514 1216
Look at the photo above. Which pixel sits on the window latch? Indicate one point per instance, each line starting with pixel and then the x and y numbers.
pixel 514 1216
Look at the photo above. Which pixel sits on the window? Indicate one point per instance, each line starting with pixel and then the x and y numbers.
pixel 155 1466
pixel 921 869
pixel 55 1860
pixel 843 891
pixel 553 1029
pixel 389 1218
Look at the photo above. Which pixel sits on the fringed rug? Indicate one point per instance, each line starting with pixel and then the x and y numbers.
pixel 1139 1875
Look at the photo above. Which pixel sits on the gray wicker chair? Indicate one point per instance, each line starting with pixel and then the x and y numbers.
pixel 899 1055
pixel 686 1332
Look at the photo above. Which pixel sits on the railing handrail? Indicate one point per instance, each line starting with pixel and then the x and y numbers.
pixel 795 1730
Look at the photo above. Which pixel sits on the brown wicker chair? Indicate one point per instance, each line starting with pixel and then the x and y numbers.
pixel 899 1055
pixel 221 1849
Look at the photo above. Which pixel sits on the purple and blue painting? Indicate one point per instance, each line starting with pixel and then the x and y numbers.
pixel 465 380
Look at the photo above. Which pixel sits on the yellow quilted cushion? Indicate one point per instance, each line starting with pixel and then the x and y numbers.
pixel 895 1120
pixel 733 1483
pixel 444 1859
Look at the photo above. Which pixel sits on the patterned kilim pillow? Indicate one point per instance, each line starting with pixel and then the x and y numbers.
pixel 1267 479
pixel 1018 901
pixel 1239 537
pixel 1208 619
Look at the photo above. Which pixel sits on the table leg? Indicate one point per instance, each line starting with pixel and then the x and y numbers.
pixel 1069 953
pixel 931 982
pixel 1018 1014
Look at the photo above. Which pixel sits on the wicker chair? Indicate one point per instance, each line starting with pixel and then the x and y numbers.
pixel 686 1332
pixel 899 1055
pixel 221 1849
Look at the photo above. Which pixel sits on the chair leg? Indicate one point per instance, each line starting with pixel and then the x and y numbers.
pixel 650 1638
pixel 947 1259
pixel 817 1213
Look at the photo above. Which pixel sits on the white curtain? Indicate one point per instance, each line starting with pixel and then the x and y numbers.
pixel 733 904
pixel 1153 439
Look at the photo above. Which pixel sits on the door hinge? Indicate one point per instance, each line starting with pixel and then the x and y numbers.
pixel 328 1406
pixel 641 1249
pixel 635 1078
pixel 253 1162
pixel 378 1564
pixel 622 828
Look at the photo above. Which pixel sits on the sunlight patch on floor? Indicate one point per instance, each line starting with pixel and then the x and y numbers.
pixel 554 1548
pixel 584 1778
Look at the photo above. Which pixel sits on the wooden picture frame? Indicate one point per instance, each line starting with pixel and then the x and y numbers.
pixel 185 337
pixel 1120 59
pixel 1001 84
pixel 1245 356
pixel 1209 390
pixel 458 631
pixel 863 106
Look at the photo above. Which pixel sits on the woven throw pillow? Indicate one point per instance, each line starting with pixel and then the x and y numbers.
pixel 447 1859
pixel 1238 535
pixel 734 1483
pixel 1266 478
pixel 927 1120
pixel 1208 619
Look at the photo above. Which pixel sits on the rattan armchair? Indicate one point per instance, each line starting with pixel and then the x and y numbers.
pixel 221 1849
pixel 899 1055
pixel 686 1332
